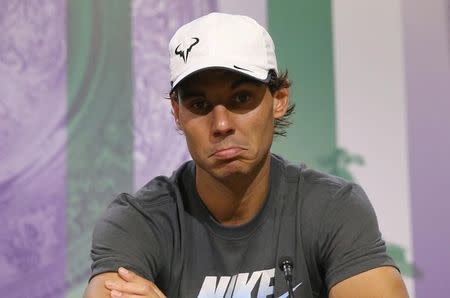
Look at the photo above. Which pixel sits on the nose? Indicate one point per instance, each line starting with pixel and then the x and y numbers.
pixel 222 124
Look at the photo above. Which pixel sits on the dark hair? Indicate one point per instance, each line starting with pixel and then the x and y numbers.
pixel 275 83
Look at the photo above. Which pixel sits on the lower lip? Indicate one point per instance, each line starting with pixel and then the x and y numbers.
pixel 227 153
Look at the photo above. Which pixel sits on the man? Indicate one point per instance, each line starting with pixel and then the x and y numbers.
pixel 220 226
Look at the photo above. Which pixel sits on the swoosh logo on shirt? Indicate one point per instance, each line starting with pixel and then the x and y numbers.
pixel 285 295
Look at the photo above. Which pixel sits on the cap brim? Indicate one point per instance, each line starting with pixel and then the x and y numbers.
pixel 251 71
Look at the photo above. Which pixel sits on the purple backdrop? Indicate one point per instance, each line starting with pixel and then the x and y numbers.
pixel 32 147
pixel 158 148
pixel 428 88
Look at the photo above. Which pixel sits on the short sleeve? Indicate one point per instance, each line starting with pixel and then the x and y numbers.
pixel 124 237
pixel 349 238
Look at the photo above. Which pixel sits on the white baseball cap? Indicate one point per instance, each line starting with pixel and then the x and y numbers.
pixel 220 40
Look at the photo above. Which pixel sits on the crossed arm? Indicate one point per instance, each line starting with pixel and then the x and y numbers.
pixel 123 284
pixel 382 282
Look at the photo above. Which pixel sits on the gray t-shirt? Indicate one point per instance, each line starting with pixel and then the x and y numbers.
pixel 165 233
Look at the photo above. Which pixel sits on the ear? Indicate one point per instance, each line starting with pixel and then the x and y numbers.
pixel 176 112
pixel 280 102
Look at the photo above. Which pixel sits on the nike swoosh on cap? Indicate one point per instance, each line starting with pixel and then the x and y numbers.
pixel 285 295
pixel 241 68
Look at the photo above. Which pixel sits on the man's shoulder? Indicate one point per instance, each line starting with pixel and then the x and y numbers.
pixel 157 190
pixel 160 191
pixel 318 179
pixel 315 184
pixel 309 175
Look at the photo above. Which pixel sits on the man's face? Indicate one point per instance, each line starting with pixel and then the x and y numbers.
pixel 227 119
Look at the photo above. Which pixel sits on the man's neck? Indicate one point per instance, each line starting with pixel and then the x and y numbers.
pixel 235 200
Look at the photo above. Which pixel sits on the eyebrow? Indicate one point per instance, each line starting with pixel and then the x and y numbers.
pixel 197 93
pixel 189 94
pixel 241 81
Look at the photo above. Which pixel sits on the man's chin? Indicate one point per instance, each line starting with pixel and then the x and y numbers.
pixel 230 169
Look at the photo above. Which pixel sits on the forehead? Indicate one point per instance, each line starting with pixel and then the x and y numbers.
pixel 216 77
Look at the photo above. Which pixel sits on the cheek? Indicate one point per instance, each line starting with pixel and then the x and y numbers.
pixel 260 123
pixel 188 122
pixel 196 135
pixel 266 136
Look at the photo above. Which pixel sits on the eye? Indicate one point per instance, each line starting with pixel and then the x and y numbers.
pixel 199 106
pixel 241 98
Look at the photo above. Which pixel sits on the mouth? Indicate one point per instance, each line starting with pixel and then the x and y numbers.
pixel 227 153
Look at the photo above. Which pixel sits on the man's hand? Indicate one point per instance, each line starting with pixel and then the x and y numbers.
pixel 124 284
pixel 132 285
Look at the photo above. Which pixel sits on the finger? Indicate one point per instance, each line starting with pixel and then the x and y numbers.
pixel 147 288
pixel 129 287
pixel 117 294
pixel 158 292
pixel 130 276
pixel 126 274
